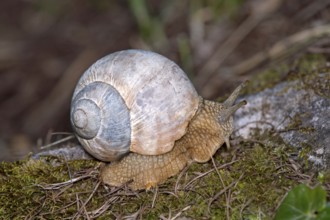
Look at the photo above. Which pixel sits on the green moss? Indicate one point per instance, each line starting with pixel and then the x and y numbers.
pixel 20 191
pixel 256 181
pixel 306 68
pixel 267 78
pixel 310 63
pixel 313 72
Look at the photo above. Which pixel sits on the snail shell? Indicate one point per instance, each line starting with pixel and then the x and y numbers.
pixel 132 100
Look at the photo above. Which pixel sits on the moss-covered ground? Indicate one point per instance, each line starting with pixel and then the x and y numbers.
pixel 248 181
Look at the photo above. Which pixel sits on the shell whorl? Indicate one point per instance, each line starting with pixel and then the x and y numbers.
pixel 86 118
pixel 103 121
pixel 140 101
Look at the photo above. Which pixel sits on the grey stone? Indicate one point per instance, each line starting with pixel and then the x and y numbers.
pixel 299 112
pixel 70 151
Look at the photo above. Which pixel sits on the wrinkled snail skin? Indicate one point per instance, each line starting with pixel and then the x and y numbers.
pixel 139 110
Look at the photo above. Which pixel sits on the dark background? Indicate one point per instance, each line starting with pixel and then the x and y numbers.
pixel 45 45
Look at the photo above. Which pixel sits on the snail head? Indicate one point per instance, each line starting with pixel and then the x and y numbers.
pixel 225 116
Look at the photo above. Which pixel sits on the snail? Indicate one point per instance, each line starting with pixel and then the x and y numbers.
pixel 139 111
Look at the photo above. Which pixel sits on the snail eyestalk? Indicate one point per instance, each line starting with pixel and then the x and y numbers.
pixel 228 112
pixel 232 98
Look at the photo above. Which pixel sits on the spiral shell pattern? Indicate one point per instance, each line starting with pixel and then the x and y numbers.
pixel 132 100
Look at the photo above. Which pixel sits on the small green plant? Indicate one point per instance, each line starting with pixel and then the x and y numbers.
pixel 304 203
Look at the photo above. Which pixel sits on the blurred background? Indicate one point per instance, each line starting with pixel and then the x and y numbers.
pixel 45 46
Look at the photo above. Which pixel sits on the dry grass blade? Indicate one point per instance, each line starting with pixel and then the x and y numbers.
pixel 57 142
pixel 170 193
pixel 228 202
pixel 180 213
pixel 217 170
pixel 155 197
pixel 223 191
pixel 78 201
pixel 83 208
pixel 91 174
pixel 61 191
pixel 206 173
pixel 223 185
pixel 62 209
pixel 176 188
pixel 32 215
pixel 243 207
pixel 86 214
pixel 136 214
pixel 98 212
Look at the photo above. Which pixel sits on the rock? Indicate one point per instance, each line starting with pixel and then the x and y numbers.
pixel 69 151
pixel 298 110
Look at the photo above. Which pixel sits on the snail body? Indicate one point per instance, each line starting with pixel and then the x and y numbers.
pixel 139 110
